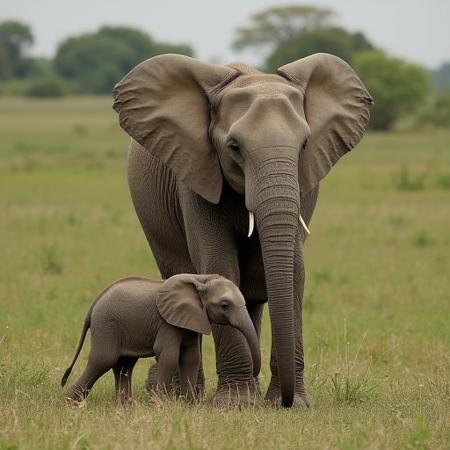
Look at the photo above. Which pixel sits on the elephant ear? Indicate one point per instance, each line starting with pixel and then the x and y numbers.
pixel 163 103
pixel 337 109
pixel 179 303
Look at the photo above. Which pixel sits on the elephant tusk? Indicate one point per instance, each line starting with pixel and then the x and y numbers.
pixel 303 224
pixel 251 223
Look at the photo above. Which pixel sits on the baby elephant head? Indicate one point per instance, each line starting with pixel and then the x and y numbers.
pixel 193 301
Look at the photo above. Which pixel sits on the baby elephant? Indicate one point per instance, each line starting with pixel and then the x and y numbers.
pixel 136 318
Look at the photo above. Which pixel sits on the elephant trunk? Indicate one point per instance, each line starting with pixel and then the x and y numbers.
pixel 244 324
pixel 277 206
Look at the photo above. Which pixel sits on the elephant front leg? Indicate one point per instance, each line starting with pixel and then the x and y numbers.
pixel 273 394
pixel 236 384
pixel 210 237
pixel 151 383
pixel 167 368
pixel 167 350
pixel 174 388
pixel 189 367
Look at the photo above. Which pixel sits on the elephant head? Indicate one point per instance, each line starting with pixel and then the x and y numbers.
pixel 272 137
pixel 193 301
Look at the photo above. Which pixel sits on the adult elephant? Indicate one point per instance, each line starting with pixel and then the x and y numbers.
pixel 215 147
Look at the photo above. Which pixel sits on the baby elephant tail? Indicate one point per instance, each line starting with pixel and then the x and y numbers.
pixel 87 324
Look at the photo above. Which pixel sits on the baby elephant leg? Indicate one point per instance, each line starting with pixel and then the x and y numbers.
pixel 102 357
pixel 81 388
pixel 167 349
pixel 123 372
pixel 189 366
pixel 152 381
pixel 167 368
pixel 151 384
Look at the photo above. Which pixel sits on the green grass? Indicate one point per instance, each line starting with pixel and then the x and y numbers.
pixel 377 300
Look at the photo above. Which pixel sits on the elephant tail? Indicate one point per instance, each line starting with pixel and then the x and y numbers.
pixel 86 325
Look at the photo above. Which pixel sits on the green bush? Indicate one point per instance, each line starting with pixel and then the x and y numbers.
pixel 49 86
pixel 398 87
pixel 14 87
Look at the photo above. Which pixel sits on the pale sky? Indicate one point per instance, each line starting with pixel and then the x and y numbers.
pixel 418 30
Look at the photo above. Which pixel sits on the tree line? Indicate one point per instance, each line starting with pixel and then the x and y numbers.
pixel 91 63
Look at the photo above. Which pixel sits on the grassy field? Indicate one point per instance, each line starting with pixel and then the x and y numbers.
pixel 377 328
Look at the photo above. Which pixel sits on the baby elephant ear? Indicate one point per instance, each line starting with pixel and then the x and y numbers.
pixel 164 104
pixel 336 105
pixel 180 305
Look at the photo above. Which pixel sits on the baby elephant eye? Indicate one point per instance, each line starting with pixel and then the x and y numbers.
pixel 304 146
pixel 225 305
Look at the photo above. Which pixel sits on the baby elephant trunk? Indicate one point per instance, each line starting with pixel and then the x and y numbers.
pixel 244 324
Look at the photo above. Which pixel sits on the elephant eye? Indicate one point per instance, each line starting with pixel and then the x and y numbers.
pixel 224 305
pixel 233 146
pixel 235 151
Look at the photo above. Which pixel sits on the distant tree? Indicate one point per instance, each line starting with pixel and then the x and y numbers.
pixel 88 58
pixel 397 87
pixel 286 33
pixel 15 39
pixel 96 61
pixel 333 40
pixel 180 49
pixel 275 26
pixel 441 78
pixel 141 43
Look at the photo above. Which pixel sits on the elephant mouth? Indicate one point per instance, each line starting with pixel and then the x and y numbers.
pixel 251 224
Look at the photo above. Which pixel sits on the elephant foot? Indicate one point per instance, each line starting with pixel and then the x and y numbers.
pixel 301 398
pixel 75 403
pixel 238 394
pixel 76 396
pixel 300 401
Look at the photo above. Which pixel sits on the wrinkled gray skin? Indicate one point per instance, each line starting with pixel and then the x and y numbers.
pixel 138 318
pixel 211 143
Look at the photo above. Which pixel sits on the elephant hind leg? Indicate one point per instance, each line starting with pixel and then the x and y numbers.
pixel 103 356
pixel 123 371
pixel 81 388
